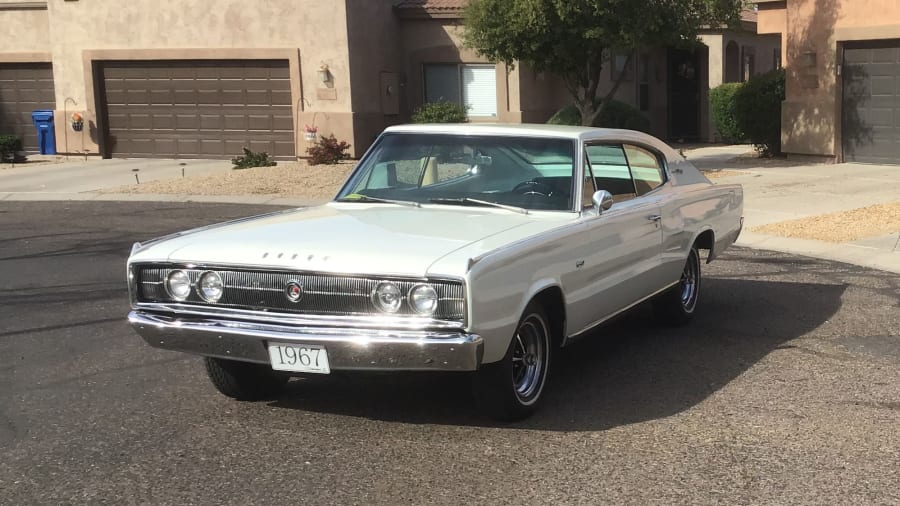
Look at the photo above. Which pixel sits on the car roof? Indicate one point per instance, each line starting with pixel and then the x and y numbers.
pixel 529 130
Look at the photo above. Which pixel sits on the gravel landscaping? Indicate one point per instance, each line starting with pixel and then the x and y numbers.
pixel 287 179
pixel 840 227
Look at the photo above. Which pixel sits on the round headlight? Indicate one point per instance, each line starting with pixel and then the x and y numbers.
pixel 178 284
pixel 210 286
pixel 387 297
pixel 423 299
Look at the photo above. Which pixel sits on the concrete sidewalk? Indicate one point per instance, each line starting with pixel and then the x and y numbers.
pixel 792 190
pixel 77 175
pixel 777 192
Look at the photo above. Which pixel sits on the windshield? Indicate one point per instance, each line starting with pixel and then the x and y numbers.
pixel 525 172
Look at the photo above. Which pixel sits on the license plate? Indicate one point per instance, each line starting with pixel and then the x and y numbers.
pixel 299 358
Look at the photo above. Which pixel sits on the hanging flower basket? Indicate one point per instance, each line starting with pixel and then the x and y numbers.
pixel 77 122
pixel 310 133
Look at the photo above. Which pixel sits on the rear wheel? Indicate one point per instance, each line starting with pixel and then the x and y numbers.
pixel 244 381
pixel 677 305
pixel 511 389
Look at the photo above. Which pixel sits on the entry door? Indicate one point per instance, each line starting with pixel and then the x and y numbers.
pixel 684 95
pixel 626 240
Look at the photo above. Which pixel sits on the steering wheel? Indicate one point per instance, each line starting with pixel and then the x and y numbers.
pixel 533 188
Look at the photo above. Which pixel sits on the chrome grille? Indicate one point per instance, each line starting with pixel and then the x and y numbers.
pixel 323 294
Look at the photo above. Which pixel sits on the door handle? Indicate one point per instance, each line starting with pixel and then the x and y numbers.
pixel 654 217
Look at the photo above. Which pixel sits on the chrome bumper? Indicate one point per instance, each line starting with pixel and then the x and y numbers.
pixel 348 349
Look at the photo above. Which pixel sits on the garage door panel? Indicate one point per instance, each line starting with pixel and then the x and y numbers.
pixel 24 87
pixel 199 108
pixel 870 121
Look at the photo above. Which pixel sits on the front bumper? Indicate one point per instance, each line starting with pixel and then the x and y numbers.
pixel 348 349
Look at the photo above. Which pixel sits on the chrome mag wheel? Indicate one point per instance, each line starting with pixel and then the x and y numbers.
pixel 690 282
pixel 529 357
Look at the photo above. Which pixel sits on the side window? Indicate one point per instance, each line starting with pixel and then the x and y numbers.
pixel 646 169
pixel 588 188
pixel 611 173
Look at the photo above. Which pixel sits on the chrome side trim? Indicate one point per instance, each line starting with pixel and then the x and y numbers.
pixel 578 335
pixel 348 349
pixel 377 322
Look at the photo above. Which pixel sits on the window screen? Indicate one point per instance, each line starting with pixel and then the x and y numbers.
pixel 479 85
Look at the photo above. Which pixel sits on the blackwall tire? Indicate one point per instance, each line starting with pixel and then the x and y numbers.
pixel 244 381
pixel 678 305
pixel 512 388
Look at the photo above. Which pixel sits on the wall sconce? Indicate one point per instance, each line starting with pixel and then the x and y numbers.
pixel 324 74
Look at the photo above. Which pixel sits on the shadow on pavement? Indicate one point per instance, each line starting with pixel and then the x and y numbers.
pixel 627 372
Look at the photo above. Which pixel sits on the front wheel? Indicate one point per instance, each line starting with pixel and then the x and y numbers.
pixel 244 381
pixel 510 389
pixel 677 305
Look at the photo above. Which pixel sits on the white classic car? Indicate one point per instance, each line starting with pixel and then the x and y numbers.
pixel 478 248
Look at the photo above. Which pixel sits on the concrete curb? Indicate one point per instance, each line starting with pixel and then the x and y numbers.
pixel 841 252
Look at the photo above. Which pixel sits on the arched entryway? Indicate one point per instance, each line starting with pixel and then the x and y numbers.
pixel 732 62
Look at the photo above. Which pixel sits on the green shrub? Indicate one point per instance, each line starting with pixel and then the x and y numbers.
pixel 721 101
pixel 10 145
pixel 757 111
pixel 252 159
pixel 328 151
pixel 616 114
pixel 441 112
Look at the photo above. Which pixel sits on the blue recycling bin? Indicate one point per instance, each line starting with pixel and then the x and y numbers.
pixel 43 122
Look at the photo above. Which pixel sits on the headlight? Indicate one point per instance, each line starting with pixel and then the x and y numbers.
pixel 423 299
pixel 178 284
pixel 210 286
pixel 387 297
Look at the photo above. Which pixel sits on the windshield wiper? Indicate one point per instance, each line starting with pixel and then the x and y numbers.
pixel 467 200
pixel 365 198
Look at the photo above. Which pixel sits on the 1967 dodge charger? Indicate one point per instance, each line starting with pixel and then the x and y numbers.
pixel 477 248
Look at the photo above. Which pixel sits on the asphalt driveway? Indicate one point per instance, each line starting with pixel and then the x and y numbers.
pixel 785 389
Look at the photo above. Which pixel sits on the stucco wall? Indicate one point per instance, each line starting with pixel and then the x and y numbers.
pixel 441 41
pixel 375 66
pixel 24 30
pixel 317 29
pixel 812 32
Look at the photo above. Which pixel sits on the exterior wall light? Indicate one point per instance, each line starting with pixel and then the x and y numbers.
pixel 324 74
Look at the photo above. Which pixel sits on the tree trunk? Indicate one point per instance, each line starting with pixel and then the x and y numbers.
pixel 586 100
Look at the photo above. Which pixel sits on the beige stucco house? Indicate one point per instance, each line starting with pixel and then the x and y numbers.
pixel 181 79
pixel 842 62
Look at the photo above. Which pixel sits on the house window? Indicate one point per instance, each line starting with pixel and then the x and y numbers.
pixel 622 66
pixel 474 86
pixel 776 58
pixel 644 83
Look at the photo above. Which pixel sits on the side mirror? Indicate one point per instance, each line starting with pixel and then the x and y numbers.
pixel 602 200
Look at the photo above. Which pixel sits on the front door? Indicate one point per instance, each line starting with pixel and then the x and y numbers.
pixel 625 240
pixel 684 95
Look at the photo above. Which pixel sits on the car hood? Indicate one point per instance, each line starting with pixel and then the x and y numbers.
pixel 341 238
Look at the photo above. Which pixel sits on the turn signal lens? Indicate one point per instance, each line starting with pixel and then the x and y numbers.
pixel 423 299
pixel 210 286
pixel 178 284
pixel 387 297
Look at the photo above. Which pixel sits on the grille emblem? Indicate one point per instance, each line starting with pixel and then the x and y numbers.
pixel 293 291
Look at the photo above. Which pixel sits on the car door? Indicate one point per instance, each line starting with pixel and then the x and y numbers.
pixel 626 239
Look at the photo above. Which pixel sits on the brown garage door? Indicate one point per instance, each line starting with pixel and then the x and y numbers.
pixel 197 109
pixel 870 123
pixel 24 87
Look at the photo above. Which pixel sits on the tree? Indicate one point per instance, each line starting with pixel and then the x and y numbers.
pixel 573 38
